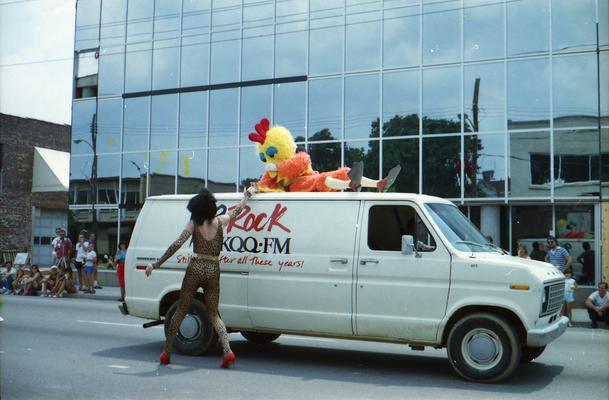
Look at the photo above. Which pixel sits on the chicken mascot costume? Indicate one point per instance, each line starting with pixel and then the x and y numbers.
pixel 288 171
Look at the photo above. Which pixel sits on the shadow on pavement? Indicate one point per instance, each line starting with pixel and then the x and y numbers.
pixel 313 363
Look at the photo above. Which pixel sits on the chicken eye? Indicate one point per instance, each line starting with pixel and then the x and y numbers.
pixel 271 151
pixel 262 158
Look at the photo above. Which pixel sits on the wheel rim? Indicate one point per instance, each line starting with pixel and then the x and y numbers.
pixel 190 328
pixel 482 348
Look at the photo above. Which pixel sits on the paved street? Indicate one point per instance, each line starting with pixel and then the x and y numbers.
pixel 78 348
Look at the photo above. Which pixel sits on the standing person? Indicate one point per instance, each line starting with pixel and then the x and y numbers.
pixel 90 261
pixel 587 260
pixel 204 269
pixel 538 253
pixel 523 252
pixel 598 305
pixel 79 261
pixel 63 251
pixel 7 277
pixel 570 287
pixel 557 256
pixel 121 254
pixel 93 241
pixel 54 243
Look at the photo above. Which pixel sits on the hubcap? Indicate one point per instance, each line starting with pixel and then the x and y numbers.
pixel 482 348
pixel 190 327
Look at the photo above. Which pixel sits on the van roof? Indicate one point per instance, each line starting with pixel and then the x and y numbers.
pixel 317 196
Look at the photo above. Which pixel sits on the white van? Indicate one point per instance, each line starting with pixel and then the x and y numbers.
pixel 391 267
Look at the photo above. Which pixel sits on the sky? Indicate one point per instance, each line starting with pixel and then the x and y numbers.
pixel 32 33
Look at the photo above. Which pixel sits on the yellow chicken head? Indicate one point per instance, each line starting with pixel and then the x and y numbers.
pixel 274 144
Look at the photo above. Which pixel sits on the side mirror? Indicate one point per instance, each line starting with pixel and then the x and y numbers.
pixel 407 244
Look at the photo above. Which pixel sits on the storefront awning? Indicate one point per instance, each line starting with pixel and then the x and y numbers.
pixel 51 170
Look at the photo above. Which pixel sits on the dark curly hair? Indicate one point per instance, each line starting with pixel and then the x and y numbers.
pixel 202 207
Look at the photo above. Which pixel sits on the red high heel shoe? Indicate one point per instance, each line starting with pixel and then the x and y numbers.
pixel 228 360
pixel 165 358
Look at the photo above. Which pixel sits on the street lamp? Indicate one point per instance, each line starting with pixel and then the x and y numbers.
pixel 93 180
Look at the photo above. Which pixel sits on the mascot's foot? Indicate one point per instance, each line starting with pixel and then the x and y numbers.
pixel 355 176
pixel 164 359
pixel 385 183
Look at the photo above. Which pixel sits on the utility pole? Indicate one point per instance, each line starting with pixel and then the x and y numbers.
pixel 94 173
pixel 474 163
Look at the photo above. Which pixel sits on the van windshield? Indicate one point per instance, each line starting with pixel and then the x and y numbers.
pixel 459 230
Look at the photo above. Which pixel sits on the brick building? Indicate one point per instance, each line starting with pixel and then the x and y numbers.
pixel 33 200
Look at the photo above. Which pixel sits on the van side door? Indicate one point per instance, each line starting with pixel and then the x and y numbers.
pixel 397 295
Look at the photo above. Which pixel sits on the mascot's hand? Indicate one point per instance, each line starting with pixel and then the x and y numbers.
pixel 270 167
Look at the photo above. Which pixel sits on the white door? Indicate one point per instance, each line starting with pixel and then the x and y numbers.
pixel 399 296
pixel 301 271
pixel 44 223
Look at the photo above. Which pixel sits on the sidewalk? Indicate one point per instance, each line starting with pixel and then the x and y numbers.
pixel 107 293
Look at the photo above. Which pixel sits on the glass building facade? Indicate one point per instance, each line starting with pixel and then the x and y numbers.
pixel 501 106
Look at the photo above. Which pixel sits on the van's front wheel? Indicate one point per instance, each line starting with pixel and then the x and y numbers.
pixel 196 334
pixel 483 347
pixel 259 338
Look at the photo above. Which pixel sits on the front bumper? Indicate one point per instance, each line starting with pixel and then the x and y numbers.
pixel 541 337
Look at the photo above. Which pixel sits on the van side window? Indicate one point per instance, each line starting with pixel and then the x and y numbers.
pixel 387 224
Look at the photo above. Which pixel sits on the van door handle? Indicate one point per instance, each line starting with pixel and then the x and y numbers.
pixel 365 261
pixel 339 260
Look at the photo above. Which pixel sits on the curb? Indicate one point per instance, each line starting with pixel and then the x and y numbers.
pixel 106 297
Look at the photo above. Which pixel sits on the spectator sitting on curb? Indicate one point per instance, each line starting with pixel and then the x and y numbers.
pixel 19 282
pixel 65 284
pixel 33 281
pixel 49 283
pixel 6 278
pixel 598 305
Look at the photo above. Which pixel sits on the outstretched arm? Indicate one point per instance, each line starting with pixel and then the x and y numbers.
pixel 175 246
pixel 225 219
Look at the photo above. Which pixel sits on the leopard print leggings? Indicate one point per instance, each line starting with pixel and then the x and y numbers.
pixel 205 274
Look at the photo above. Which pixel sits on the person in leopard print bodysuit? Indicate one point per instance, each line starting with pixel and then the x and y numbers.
pixel 204 269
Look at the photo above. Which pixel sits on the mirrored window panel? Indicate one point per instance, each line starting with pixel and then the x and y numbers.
pixel 87 24
pixel 109 122
pixel 251 168
pixel 136 124
pixel 529 164
pixel 192 167
pixel 442 32
pixel 193 120
pixel 139 21
pixel 162 172
pixel 111 70
pixel 403 152
pixel 401 33
pixel 134 180
pixel 528 24
pixel 81 170
pixel 484 165
pixel 107 179
pixel 528 94
pixel 325 156
pixel 441 100
pixel 573 25
pixel 195 61
pixel 401 103
pixel 575 232
pixel 326 37
pixel 325 109
pixel 223 118
pixel 576 163
pixel 225 61
pixel 290 107
pixel 223 164
pixel 574 80
pixel 166 19
pixel 165 66
pixel 113 19
pixel 603 24
pixel 441 167
pixel 532 236
pixel 363 37
pixel 255 105
pixel 138 67
pixel 484 97
pixel 604 165
pixel 604 83
pixel 226 14
pixel 366 152
pixel 164 124
pixel 483 29
pixel 361 111
pixel 291 11
pixel 291 48
pixel 196 16
pixel 257 59
pixel 83 123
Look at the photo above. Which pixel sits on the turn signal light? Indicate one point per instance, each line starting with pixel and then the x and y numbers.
pixel 519 287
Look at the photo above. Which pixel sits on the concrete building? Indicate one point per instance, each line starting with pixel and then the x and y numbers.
pixel 33 185
pixel 500 106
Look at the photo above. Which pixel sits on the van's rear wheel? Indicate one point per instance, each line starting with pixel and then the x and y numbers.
pixel 260 338
pixel 531 353
pixel 196 334
pixel 483 347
